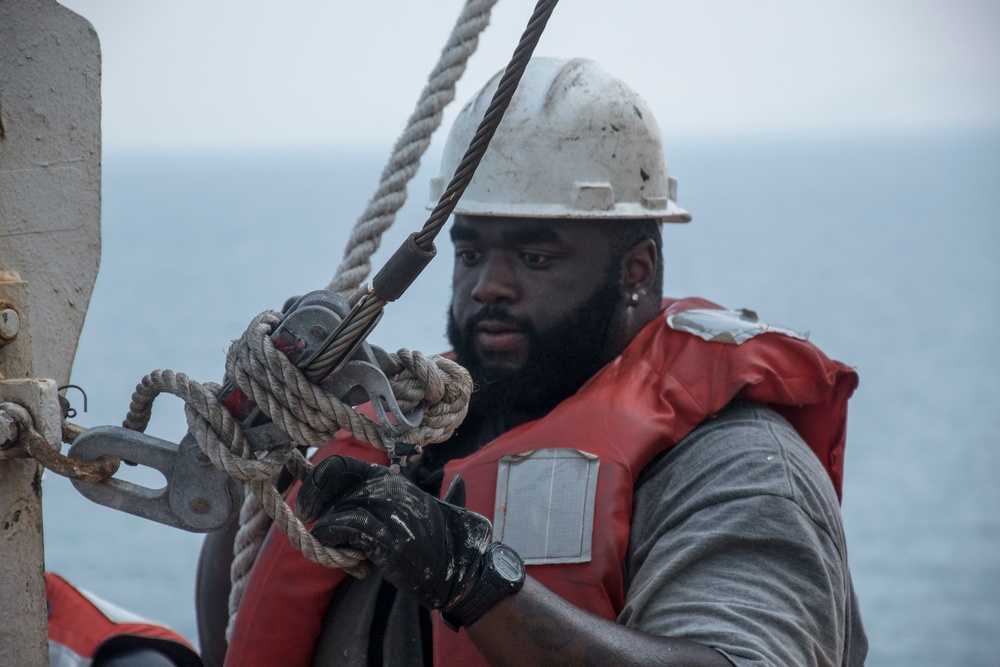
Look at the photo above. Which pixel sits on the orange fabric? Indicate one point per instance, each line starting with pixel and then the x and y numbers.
pixel 279 623
pixel 76 623
pixel 664 384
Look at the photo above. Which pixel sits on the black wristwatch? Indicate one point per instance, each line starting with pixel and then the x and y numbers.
pixel 501 573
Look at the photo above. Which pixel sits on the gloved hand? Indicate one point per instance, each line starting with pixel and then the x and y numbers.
pixel 428 549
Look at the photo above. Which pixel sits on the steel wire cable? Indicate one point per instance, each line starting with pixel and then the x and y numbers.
pixel 369 307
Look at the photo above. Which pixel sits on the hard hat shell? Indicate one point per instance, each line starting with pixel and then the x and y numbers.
pixel 576 142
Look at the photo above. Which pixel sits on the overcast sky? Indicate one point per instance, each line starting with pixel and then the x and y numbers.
pixel 195 74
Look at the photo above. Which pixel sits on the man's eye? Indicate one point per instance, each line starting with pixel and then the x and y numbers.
pixel 534 259
pixel 468 257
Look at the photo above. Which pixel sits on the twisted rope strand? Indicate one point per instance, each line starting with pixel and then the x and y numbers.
pixel 305 412
pixel 404 161
pixel 366 236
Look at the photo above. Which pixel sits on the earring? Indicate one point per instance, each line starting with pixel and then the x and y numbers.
pixel 634 299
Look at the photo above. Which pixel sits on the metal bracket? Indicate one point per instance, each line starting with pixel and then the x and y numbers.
pixel 40 397
pixel 197 497
pixel 360 381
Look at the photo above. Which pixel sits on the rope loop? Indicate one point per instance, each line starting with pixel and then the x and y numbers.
pixel 442 385
pixel 305 412
pixel 221 438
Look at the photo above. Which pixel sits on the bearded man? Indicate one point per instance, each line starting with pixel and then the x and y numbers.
pixel 661 476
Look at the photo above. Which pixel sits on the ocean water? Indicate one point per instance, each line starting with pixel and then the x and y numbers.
pixel 887 249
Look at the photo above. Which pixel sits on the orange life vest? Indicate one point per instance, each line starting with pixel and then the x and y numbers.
pixel 80 625
pixel 648 399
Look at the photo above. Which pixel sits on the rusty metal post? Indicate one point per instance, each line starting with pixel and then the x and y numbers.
pixel 50 163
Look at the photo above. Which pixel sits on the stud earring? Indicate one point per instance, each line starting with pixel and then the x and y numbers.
pixel 634 299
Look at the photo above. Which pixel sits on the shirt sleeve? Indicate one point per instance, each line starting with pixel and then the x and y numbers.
pixel 737 544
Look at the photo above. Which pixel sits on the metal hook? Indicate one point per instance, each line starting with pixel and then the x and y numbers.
pixel 69 412
pixel 198 497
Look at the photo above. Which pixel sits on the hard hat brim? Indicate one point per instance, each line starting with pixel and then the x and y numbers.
pixel 672 212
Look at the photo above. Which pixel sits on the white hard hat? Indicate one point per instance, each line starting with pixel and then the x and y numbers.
pixel 575 142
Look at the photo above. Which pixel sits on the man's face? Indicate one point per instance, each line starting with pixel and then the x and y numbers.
pixel 534 307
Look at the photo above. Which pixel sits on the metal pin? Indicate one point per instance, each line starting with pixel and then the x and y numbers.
pixel 69 412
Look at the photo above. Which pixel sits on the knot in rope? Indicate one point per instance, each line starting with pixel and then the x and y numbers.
pixel 306 413
pixel 218 433
pixel 442 385
pixel 313 417
pixel 300 408
pixel 221 438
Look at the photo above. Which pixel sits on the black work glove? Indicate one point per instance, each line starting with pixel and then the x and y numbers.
pixel 428 549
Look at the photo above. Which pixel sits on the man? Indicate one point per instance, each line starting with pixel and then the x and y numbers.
pixel 662 481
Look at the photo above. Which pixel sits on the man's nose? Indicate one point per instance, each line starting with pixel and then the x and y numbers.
pixel 496 282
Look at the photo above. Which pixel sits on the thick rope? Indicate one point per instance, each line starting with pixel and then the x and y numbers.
pixel 411 145
pixel 222 441
pixel 441 385
pixel 365 239
pixel 308 414
pixel 301 409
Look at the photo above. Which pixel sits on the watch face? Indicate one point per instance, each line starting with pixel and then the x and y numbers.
pixel 507 563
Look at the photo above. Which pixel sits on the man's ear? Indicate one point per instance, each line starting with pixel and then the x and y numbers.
pixel 639 266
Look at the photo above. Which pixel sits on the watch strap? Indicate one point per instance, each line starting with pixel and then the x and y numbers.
pixel 485 593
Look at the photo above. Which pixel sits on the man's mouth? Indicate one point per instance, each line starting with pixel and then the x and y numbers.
pixel 495 337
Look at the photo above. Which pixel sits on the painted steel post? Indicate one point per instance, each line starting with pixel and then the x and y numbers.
pixel 50 162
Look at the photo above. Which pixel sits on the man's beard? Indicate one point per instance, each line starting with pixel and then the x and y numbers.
pixel 560 359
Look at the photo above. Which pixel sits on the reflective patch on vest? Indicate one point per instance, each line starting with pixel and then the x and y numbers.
pixel 726 326
pixel 545 505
